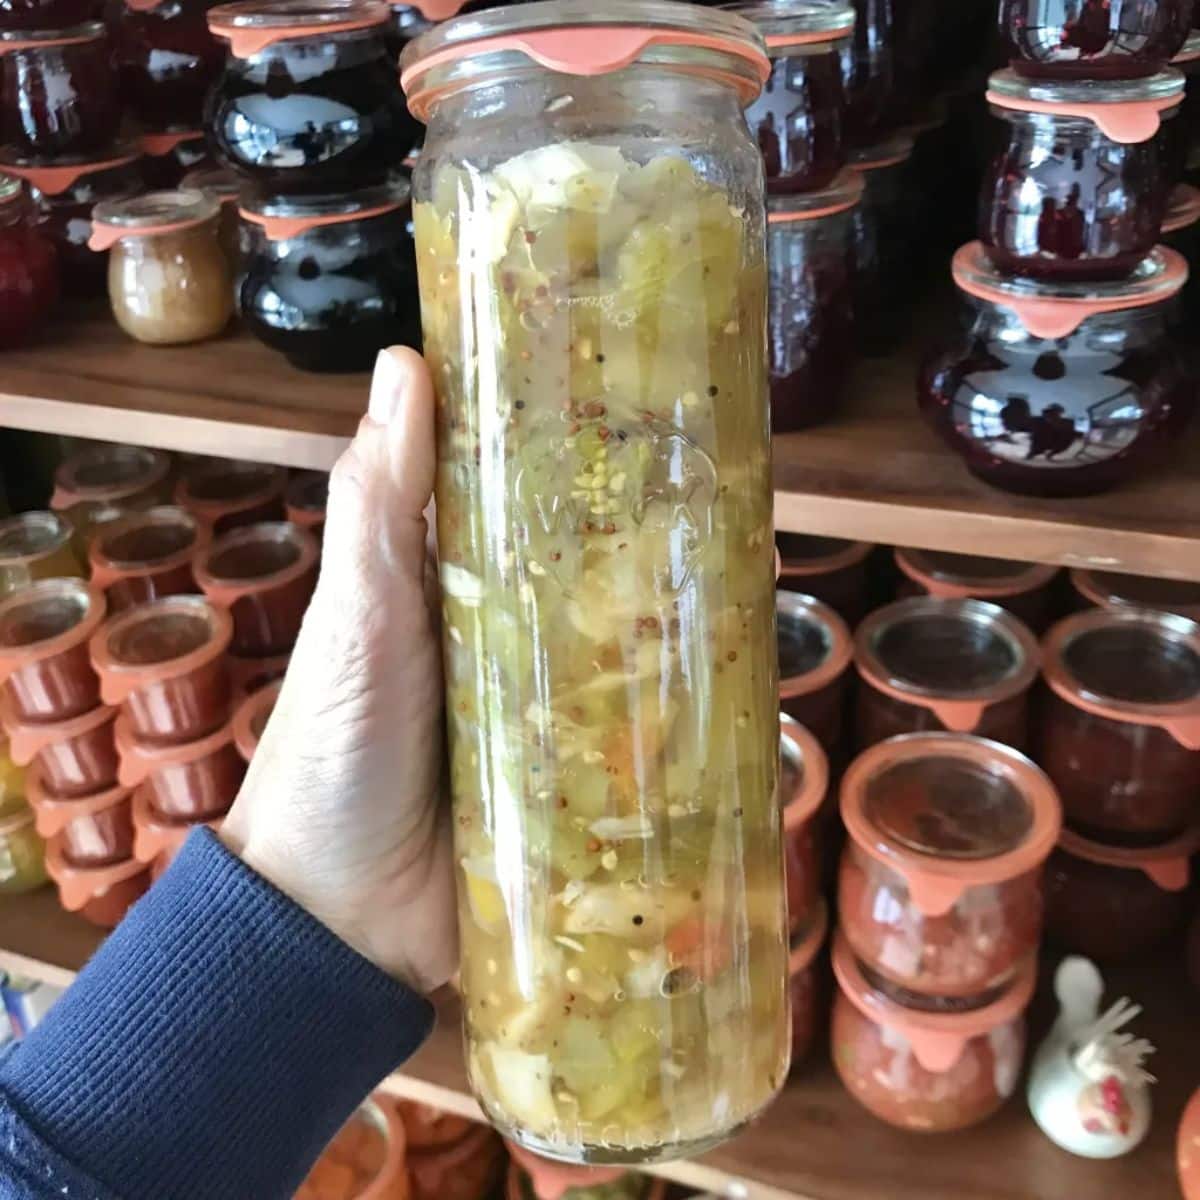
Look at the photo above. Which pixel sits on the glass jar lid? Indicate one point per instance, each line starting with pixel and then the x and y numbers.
pixel 108 472
pixel 787 24
pixel 12 40
pixel 579 37
pixel 46 618
pixel 803 773
pixel 890 153
pixel 250 26
pixel 813 641
pixel 1110 589
pixel 840 196
pixel 150 215
pixel 962 576
pixel 215 486
pixel 144 543
pixel 283 217
pixel 31 535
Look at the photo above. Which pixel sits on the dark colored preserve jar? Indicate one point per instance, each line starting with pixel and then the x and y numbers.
pixel 810 264
pixel 959 665
pixel 832 570
pixel 1181 232
pixel 1120 728
pixel 797 120
pixel 1092 39
pixel 58 92
pixel 1060 389
pixel 170 155
pixel 1080 192
pixel 1108 589
pixel 1182 135
pixel 28 267
pixel 48 14
pixel 330 280
pixel 814 652
pixel 145 556
pixel 868 74
pixel 309 100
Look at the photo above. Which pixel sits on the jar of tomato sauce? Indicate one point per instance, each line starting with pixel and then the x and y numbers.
pixel 814 653
pixel 145 556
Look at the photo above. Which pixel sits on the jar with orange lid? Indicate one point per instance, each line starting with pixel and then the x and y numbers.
pixel 22 853
pixel 105 480
pixel 931 664
pixel 168 279
pixel 831 570
pixel 1117 590
pixel 224 493
pixel 803 784
pixel 1119 730
pixel 815 650
pixel 35 545
pixel 29 275
pixel 940 891
pixel 145 556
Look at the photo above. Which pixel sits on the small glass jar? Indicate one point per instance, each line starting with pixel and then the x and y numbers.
pixel 75 757
pixel 939 894
pixel 309 101
pixel 797 120
pixel 29 283
pixel 884 257
pixel 920 1071
pixel 104 481
pixel 22 854
pixel 814 652
pixel 251 717
pixel 58 92
pixel 832 570
pixel 222 185
pixel 33 546
pixel 1092 39
pixel 170 155
pixel 167 60
pixel 1108 589
pixel 1117 903
pixel 1120 728
pixel 807 985
pixel 95 830
pixel 305 500
pixel 365 1160
pixel 329 281
pixel 1080 191
pixel 145 556
pixel 48 14
pixel 1024 589
pixel 928 664
pixel 1060 390
pixel 803 784
pixel 101 895
pixel 810 260
pixel 869 74
pixel 168 279
pixel 224 494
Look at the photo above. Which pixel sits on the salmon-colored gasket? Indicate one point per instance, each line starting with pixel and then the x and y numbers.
pixel 68 493
pixel 157 144
pixel 841 649
pixel 849 556
pixel 104 236
pixel 54 813
pixel 153 834
pixel 14 657
pixel 225 592
pixel 16 45
pixel 1183 210
pixel 935 884
pixel 118 680
pixel 246 43
pixel 1181 720
pixel 938 1039
pixel 1167 865
pixel 1031 577
pixel 803 804
pixel 1126 121
pixel 209 512
pixel 142 5
pixel 139 760
pixel 959 714
pixel 248 712
pixel 780 41
pixel 1060 316
pixel 78 885
pixel 280 229
pixel 106 570
pixel 53 181
pixel 806 944
pixel 1086 585
pixel 27 739
pixel 788 217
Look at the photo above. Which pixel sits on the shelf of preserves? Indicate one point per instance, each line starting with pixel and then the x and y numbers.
pixel 876 472
pixel 814 1143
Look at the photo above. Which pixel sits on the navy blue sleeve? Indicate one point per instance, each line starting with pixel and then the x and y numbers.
pixel 214 1044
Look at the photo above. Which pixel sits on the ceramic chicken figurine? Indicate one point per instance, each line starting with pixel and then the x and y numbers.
pixel 1088 1088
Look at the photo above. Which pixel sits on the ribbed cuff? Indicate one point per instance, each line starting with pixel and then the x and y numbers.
pixel 215 1043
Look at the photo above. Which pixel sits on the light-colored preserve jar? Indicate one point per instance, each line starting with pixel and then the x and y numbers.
pixel 590 241
pixel 168 280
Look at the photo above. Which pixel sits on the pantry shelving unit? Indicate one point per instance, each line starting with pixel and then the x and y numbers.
pixel 875 473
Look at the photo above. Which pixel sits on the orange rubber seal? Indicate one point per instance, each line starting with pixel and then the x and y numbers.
pixel 246 43
pixel 104 237
pixel 158 144
pixel 798 745
pixel 12 47
pixel 1168 866
pixel 280 229
pixel 780 41
pixel 1126 121
pixel 52 181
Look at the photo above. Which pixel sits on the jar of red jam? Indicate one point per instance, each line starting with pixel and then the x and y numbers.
pixel 869 74
pixel 170 155
pixel 930 664
pixel 1109 589
pixel 1092 39
pixel 923 1071
pixel 145 556
pixel 531 1177
pixel 814 652
pixel 1119 732
pixel 45 674
pixel 1023 589
pixel 309 100
pixel 1060 389
pixel 73 757
pixel 33 546
pixel 1080 192
pixel 28 267
pixel 165 664
pixel 224 494
pixel 1117 903
pixel 807 985
pixel 95 830
pixel 265 575
pixel 803 783
pixel 64 195
pixel 167 60
pixel 884 257
pixel 100 894
pixel 305 500
pixel 940 888
pixel 106 480
pixel 832 570
pixel 48 14
pixel 58 91
pixel 251 718
pixel 811 309
pixel 797 119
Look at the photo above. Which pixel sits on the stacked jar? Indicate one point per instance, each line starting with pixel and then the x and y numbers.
pixel 1066 379
pixel 309 114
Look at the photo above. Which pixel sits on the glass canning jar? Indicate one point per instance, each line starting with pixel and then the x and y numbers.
pixel 168 278
pixel 47 14
pixel 169 155
pixel 814 653
pixel 1120 729
pixel 928 663
pixel 145 556
pixel 1092 39
pixel 105 481
pixel 604 524
pixel 869 74
pixel 1060 389
pixel 1080 191
pixel 33 546
pixel 224 494
pixel 28 267
pixel 939 894
pixel 308 100
pixel 329 281
pixel 797 119
pixel 810 323
pixel 222 185
pixel 832 570
pixel 58 91
pixel 1108 589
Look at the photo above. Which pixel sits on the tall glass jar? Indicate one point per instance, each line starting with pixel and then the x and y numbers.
pixel 593 290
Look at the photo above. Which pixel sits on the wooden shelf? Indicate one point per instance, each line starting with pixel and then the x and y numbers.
pixel 814 1143
pixel 876 473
